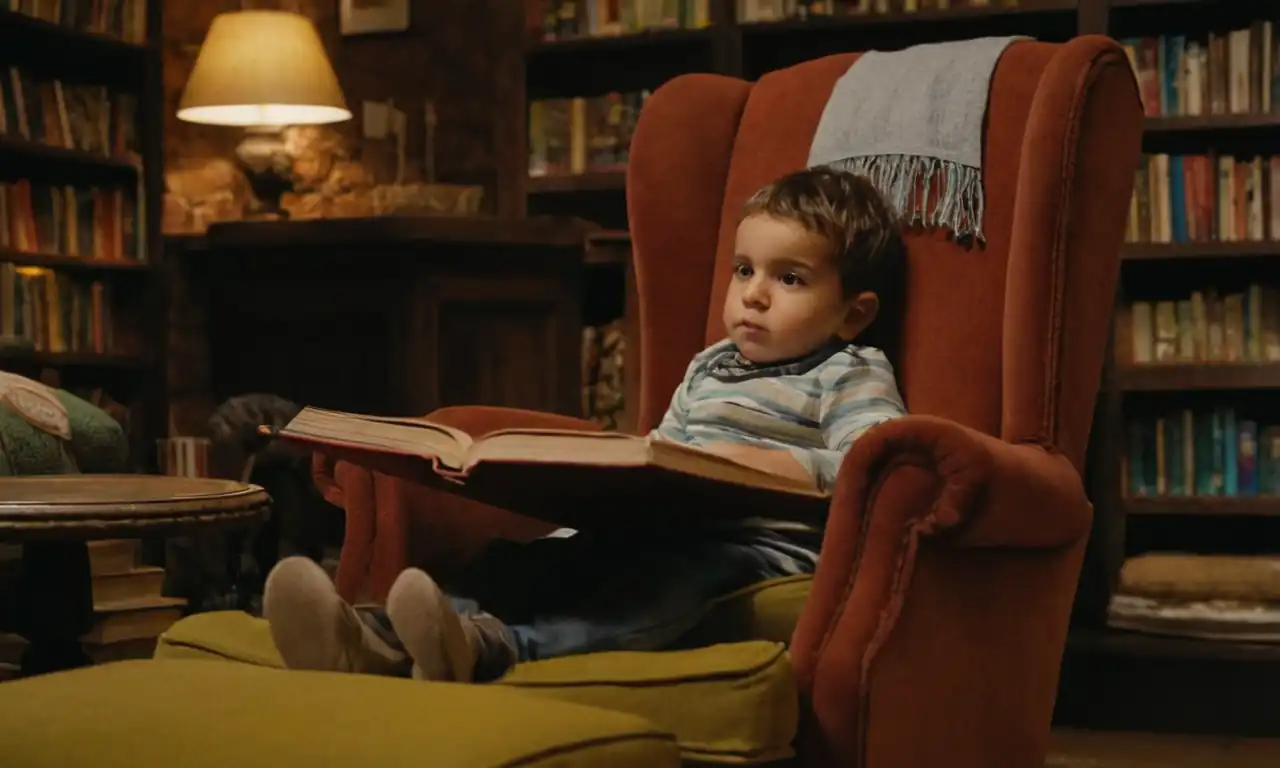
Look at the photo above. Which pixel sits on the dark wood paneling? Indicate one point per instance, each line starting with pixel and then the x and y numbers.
pixel 410 316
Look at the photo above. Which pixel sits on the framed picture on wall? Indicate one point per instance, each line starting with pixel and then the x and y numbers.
pixel 364 17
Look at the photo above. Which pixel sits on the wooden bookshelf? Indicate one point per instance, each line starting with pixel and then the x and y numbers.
pixel 20 147
pixel 1202 250
pixel 57 261
pixel 42 32
pixel 1211 506
pixel 923 16
pixel 591 181
pixel 124 60
pixel 645 38
pixel 1115 642
pixel 1198 123
pixel 1184 377
pixel 1172 681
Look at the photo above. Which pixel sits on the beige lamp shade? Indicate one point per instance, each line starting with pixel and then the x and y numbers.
pixel 262 68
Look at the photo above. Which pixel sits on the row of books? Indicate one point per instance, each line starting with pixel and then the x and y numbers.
pixel 567 19
pixel 1205 327
pixel 88 118
pixel 1233 73
pixel 1201 453
pixel 1197 198
pixel 750 11
pixel 54 310
pixel 124 19
pixel 572 136
pixel 97 223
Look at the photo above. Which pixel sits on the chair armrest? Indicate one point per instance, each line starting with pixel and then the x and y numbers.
pixel 989 493
pixel 947 573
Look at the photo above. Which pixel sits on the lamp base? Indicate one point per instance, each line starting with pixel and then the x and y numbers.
pixel 265 161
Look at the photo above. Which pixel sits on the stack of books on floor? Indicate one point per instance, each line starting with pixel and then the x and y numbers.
pixel 127 598
pixel 131 611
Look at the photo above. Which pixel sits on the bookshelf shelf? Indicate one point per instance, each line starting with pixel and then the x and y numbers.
pixel 56 261
pixel 1218 506
pixel 91 360
pixel 106 361
pixel 1202 250
pixel 593 181
pixel 1175 377
pixel 48 33
pixel 651 37
pixel 1180 124
pixel 1026 8
pixel 1118 642
pixel 1145 3
pixel 10 145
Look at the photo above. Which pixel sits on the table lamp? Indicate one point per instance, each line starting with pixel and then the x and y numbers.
pixel 262 71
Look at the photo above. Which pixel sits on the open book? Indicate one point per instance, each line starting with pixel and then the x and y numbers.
pixel 562 476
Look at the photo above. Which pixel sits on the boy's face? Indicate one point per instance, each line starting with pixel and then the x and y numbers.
pixel 785 299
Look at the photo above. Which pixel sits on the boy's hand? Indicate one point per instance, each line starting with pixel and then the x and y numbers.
pixel 775 461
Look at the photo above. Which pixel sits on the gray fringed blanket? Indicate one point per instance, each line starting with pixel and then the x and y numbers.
pixel 911 119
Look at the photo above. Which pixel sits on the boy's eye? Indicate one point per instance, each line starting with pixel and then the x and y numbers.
pixel 791 278
pixel 742 270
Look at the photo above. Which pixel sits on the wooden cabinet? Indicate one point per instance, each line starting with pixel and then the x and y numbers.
pixel 393 315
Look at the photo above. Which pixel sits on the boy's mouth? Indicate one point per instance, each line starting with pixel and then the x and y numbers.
pixel 747 325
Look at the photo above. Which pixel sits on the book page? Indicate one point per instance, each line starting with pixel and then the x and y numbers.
pixel 405 435
pixel 613 449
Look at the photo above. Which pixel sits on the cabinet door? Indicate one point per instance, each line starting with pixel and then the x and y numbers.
pixel 497 328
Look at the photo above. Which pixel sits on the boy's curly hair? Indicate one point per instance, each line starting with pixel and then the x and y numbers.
pixel 864 231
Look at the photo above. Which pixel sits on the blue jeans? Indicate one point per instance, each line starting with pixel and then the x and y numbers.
pixel 589 593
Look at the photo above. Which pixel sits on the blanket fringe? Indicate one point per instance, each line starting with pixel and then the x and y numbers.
pixel 926 191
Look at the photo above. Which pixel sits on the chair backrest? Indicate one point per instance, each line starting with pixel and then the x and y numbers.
pixel 1008 338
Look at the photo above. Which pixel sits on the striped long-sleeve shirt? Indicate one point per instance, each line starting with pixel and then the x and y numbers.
pixel 814 407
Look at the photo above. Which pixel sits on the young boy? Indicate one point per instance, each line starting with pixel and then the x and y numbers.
pixel 789 390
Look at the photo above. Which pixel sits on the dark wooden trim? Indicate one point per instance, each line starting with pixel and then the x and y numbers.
pixel 1027 7
pixel 1121 643
pixel 13 145
pixel 1120 4
pixel 1188 124
pixel 1092 17
pixel 58 261
pixel 550 231
pixel 1216 506
pixel 58 35
pixel 1178 377
pixel 86 360
pixel 592 181
pixel 1201 250
pixel 646 38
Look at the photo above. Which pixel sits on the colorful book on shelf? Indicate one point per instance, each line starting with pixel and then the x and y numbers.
pixel 1206 327
pixel 1206 453
pixel 1224 72
pixel 574 478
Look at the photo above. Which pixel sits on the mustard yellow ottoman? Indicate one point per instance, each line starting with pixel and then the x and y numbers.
pixel 194 714
pixel 732 703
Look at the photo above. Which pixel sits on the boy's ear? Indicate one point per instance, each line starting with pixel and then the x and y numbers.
pixel 863 309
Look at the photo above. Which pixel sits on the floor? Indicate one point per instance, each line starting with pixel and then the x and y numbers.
pixel 1100 749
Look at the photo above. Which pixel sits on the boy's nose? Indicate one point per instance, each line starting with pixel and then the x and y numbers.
pixel 755 294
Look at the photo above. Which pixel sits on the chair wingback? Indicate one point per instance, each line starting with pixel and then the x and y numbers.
pixel 1005 338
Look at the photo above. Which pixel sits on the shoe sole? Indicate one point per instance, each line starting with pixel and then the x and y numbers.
pixel 429 628
pixel 308 632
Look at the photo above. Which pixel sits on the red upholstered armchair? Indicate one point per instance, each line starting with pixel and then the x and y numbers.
pixel 934 626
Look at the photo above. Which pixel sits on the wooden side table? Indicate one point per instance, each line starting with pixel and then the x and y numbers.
pixel 53 516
